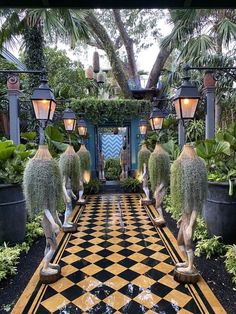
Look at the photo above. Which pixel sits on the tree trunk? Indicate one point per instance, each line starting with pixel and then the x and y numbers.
pixel 162 56
pixel 108 46
pixel 129 46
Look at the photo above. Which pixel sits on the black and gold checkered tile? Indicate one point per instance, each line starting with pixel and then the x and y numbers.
pixel 117 262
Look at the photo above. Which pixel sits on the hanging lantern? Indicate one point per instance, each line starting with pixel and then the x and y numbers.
pixel 69 120
pixel 82 127
pixel 101 78
pixel 156 117
pixel 186 100
pixel 143 127
pixel 96 65
pixel 43 101
pixel 89 73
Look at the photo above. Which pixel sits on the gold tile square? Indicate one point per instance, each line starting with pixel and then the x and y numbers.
pixel 183 311
pixel 93 258
pixel 98 234
pixel 115 248
pixel 86 301
pixel 68 270
pixel 116 282
pixel 151 239
pixel 135 247
pixel 89 283
pixel 147 298
pixel 169 281
pixel 116 269
pixel 164 267
pixel 115 257
pixel 131 233
pixel 143 282
pixel 62 284
pixel 178 298
pixel 116 300
pixel 149 232
pixel 155 247
pixel 69 259
pixel 134 240
pixel 95 248
pixel 96 240
pixel 74 249
pixel 140 268
pixel 55 302
pixel 138 257
pixel 91 269
pixel 159 256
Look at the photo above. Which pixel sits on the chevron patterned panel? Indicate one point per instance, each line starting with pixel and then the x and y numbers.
pixel 111 145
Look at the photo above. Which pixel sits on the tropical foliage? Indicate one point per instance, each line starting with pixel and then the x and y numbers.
pixel 143 157
pixel 112 169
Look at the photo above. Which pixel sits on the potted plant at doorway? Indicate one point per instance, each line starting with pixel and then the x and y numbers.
pixel 220 208
pixel 12 203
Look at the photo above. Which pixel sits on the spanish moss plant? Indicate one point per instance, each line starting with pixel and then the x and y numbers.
pixel 143 158
pixel 85 160
pixel 69 164
pixel 159 167
pixel 188 182
pixel 42 186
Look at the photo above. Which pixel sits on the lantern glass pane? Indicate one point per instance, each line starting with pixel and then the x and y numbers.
pixel 53 107
pixel 41 108
pixel 157 123
pixel 143 129
pixel 82 130
pixel 188 105
pixel 69 124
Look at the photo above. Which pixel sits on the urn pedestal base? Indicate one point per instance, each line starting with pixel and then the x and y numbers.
pixel 145 202
pixel 159 222
pixel 190 278
pixel 50 278
pixel 70 229
pixel 81 202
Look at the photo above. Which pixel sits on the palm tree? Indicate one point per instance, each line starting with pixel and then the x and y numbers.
pixel 34 25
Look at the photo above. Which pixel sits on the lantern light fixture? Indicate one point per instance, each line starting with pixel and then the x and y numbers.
pixel 43 101
pixel 186 100
pixel 82 127
pixel 69 120
pixel 156 117
pixel 143 127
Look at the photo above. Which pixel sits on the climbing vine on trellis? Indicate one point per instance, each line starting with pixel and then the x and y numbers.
pixel 110 111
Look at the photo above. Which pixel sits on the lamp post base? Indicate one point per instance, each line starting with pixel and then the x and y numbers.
pixel 159 222
pixel 47 278
pixel 145 202
pixel 70 229
pixel 182 277
pixel 81 202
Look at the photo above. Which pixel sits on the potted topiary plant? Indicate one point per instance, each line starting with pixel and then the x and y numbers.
pixel 159 172
pixel 13 213
pixel 219 210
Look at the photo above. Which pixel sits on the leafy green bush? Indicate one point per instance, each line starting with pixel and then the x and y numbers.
pixel 112 169
pixel 13 159
pixel 201 230
pixel 130 185
pixel 230 261
pixel 195 130
pixel 93 187
pixel 210 247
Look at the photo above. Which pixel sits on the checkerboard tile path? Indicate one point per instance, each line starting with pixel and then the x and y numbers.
pixel 116 263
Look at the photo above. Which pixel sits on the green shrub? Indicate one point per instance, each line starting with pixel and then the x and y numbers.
pixel 210 247
pixel 9 258
pixel 159 167
pixel 230 261
pixel 93 187
pixel 85 158
pixel 112 169
pixel 130 185
pixel 200 232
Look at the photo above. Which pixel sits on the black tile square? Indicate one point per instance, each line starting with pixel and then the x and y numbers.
pixel 86 245
pixel 191 306
pixel 105 237
pixel 131 290
pixel 88 231
pixel 65 253
pixel 127 262
pixel 143 243
pixel 165 307
pixel 160 289
pixel 77 276
pixel 105 244
pixel 123 236
pixel 102 291
pixel 68 308
pixel 80 264
pixel 101 308
pixel 48 293
pixel 154 274
pixel 103 275
pixel 147 252
pixel 73 292
pixel 164 251
pixel 104 253
pixel 83 253
pixel 150 262
pixel 104 263
pixel 129 275
pixel 126 252
pixel 42 310
pixel 87 237
pixel 133 307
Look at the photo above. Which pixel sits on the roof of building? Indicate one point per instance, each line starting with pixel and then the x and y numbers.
pixel 6 54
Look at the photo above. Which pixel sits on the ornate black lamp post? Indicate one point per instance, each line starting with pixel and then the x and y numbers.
pixel 69 120
pixel 143 127
pixel 157 116
pixel 82 128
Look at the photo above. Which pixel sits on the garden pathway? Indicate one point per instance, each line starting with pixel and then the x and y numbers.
pixel 117 262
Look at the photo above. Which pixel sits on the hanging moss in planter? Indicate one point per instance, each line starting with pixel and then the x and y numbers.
pixel 85 162
pixel 96 64
pixel 69 164
pixel 159 167
pixel 188 182
pixel 143 158
pixel 42 184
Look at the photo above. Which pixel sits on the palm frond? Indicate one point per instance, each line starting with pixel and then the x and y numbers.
pixel 227 31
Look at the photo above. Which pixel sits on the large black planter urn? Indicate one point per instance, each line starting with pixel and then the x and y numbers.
pixel 220 211
pixel 12 214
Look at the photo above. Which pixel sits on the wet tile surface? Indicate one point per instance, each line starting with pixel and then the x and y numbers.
pixel 116 263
